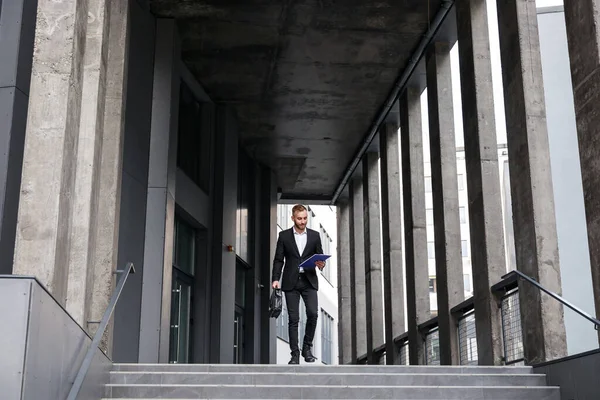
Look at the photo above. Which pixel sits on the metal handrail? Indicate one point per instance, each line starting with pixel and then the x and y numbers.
pixel 87 361
pixel 555 296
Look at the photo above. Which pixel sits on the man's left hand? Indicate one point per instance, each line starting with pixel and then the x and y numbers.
pixel 320 265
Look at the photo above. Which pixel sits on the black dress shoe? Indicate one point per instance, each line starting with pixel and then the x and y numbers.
pixel 307 354
pixel 295 358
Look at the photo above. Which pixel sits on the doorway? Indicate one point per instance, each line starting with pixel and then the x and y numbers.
pixel 182 293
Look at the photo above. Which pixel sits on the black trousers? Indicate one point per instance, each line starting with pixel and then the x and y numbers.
pixel 308 293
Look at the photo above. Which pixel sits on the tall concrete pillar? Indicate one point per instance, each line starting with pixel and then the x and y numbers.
pixel 359 324
pixel 372 243
pixel 16 47
pixel 50 155
pixel 582 21
pixel 536 243
pixel 160 206
pixel 483 180
pixel 448 257
pixel 415 224
pixel 111 170
pixel 345 338
pixel 391 227
pixel 84 214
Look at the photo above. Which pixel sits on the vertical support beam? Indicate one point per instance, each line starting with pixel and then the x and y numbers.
pixel 111 167
pixel 583 21
pixel 372 243
pixel 534 221
pixel 358 263
pixel 268 204
pixel 448 258
pixel 84 215
pixel 224 232
pixel 391 227
pixel 17 30
pixel 415 224
pixel 49 159
pixel 483 180
pixel 160 208
pixel 345 338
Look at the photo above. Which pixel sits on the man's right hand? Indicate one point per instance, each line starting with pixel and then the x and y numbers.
pixel 275 285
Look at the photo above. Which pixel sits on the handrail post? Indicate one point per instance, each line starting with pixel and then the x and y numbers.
pixel 87 361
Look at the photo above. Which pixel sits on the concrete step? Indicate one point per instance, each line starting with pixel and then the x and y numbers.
pixel 331 378
pixel 271 368
pixel 179 391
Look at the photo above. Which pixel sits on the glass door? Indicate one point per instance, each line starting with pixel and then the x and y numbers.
pixel 182 293
pixel 181 307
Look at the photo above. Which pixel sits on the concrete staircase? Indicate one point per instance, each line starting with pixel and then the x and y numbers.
pixel 152 381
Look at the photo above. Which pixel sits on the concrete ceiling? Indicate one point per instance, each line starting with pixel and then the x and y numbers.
pixel 306 77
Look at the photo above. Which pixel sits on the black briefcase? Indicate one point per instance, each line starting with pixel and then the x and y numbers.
pixel 275 304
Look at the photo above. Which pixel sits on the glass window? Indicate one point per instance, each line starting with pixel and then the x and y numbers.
pixel 431 250
pixel 427 184
pixel 245 206
pixel 461 182
pixel 185 247
pixel 193 139
pixel 463 215
pixel 432 285
pixel 326 338
pixel 467 282
pixel 464 248
pixel 429 216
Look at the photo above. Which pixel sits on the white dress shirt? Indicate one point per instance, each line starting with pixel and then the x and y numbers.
pixel 301 239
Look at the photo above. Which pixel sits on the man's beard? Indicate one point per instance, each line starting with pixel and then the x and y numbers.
pixel 300 227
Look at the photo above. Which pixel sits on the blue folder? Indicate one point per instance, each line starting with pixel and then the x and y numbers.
pixel 310 263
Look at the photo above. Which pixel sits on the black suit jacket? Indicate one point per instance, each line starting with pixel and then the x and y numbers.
pixel 287 253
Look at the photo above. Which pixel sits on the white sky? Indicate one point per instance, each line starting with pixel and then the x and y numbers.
pixel 496 81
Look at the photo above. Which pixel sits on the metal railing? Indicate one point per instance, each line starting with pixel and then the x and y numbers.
pixel 87 361
pixel 555 296
pixel 432 347
pixel 467 339
pixel 512 332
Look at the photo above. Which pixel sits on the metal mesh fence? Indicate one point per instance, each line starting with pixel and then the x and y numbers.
pixel 512 333
pixel 467 339
pixel 403 354
pixel 432 347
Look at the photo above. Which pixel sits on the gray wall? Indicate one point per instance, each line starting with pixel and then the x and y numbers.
pixel 576 376
pixel 17 28
pixel 37 333
pixel 135 181
pixel 566 176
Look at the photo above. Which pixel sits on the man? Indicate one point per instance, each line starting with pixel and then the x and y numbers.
pixel 293 247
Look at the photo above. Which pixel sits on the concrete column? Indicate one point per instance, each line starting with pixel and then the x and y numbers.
pixel 50 155
pixel 372 243
pixel 111 167
pixel 84 214
pixel 357 232
pixel 536 243
pixel 483 180
pixel 224 233
pixel 345 338
pixel 17 26
pixel 582 20
pixel 160 207
pixel 391 227
pixel 448 257
pixel 415 224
